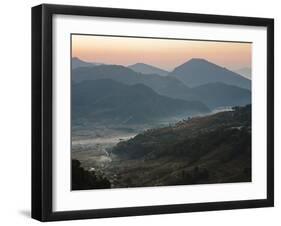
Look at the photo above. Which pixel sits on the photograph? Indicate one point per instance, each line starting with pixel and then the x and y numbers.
pixel 156 111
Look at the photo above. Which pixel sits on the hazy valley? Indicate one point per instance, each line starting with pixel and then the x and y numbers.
pixel 134 128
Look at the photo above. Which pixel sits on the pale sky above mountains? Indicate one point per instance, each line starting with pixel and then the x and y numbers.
pixel 163 53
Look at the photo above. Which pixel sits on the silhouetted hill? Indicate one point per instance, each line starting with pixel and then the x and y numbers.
pixel 147 69
pixel 114 102
pixel 219 94
pixel 196 72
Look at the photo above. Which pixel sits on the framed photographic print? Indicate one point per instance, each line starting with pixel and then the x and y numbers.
pixel 145 112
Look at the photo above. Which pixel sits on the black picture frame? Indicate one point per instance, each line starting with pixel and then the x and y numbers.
pixel 42 107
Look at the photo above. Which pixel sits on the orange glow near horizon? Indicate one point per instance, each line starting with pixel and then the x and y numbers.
pixel 163 53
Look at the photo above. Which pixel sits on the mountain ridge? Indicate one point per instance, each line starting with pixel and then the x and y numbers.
pixel 245 72
pixel 147 69
pixel 77 62
pixel 198 71
pixel 108 100
pixel 169 86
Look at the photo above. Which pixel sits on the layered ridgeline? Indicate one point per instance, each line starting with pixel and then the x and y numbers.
pixel 210 149
pixel 113 102
pixel 215 93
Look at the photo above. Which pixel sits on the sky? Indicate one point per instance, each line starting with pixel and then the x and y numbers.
pixel 163 53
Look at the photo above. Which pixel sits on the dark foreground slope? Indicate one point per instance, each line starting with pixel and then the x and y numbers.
pixel 82 179
pixel 211 149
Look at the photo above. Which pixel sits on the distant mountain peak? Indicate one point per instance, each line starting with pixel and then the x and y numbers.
pixel 198 59
pixel 139 64
pixel 197 62
pixel 198 71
